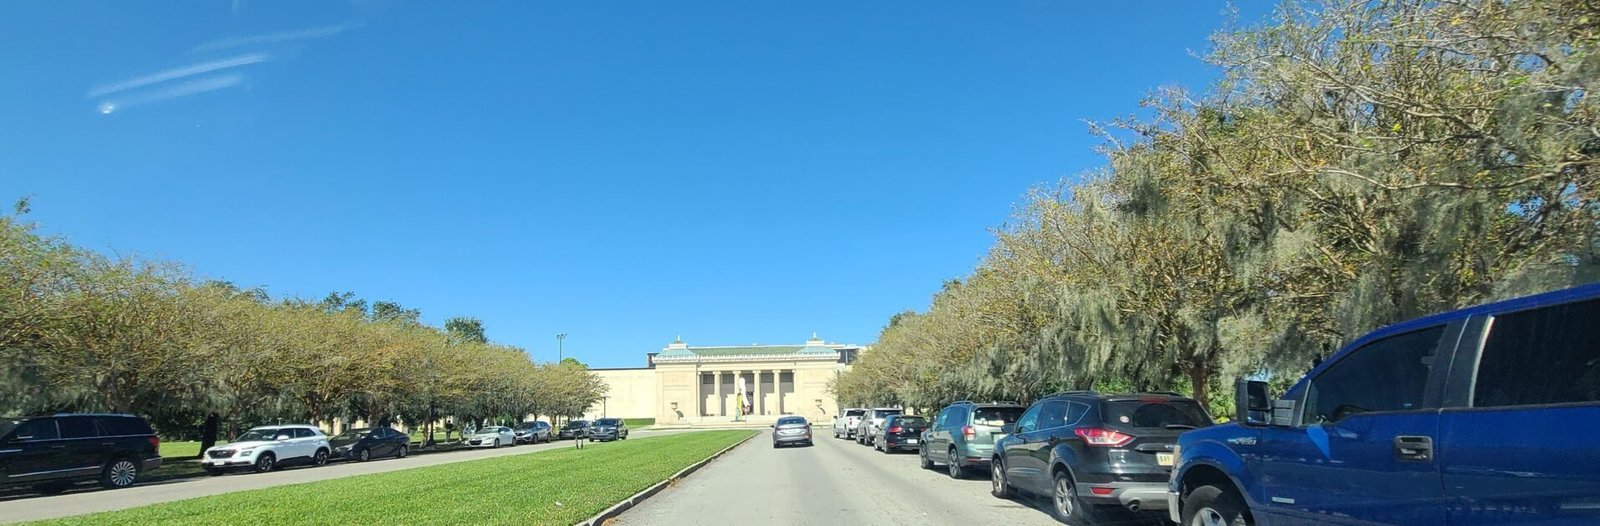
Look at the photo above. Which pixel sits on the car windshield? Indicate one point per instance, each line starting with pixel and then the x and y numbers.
pixel 1157 414
pixel 911 421
pixel 608 422
pixel 577 424
pixel 257 435
pixel 490 429
pixel 792 421
pixel 352 434
pixel 996 416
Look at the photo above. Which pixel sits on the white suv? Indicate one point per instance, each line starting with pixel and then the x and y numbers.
pixel 263 448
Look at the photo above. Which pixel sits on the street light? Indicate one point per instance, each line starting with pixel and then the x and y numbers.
pixel 560 347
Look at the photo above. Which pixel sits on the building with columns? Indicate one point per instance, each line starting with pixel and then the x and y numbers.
pixel 698 385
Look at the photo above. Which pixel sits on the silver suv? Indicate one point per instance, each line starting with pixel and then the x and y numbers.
pixel 870 422
pixel 962 436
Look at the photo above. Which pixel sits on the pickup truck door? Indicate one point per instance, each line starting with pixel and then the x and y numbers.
pixel 1362 450
pixel 1516 442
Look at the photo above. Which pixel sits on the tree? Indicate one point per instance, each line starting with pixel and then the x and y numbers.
pixel 463 329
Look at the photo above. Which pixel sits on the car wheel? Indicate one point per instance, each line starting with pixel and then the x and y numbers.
pixel 952 464
pixel 922 457
pixel 404 450
pixel 265 462
pixel 1214 506
pixel 999 486
pixel 774 444
pixel 1065 504
pixel 320 458
pixel 364 455
pixel 496 443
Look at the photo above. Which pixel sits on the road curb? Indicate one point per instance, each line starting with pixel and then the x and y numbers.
pixel 617 509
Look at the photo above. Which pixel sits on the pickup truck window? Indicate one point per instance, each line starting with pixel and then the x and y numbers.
pixel 1386 375
pixel 1541 356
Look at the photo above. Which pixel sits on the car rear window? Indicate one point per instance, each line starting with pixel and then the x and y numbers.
pixel 886 412
pixel 996 416
pixel 791 421
pixel 855 412
pixel 912 421
pixel 1159 414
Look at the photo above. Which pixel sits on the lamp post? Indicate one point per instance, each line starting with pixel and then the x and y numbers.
pixel 561 340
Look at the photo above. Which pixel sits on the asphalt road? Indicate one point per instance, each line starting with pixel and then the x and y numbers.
pixel 834 483
pixel 18 507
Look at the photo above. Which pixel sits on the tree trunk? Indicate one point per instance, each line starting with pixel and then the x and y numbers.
pixel 208 432
pixel 1199 378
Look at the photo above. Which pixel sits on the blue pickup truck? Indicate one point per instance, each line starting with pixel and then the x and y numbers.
pixel 1484 415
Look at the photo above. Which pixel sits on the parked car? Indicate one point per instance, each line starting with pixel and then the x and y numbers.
pixel 1087 451
pixel 1484 415
pixel 492 436
pixel 844 425
pixel 533 432
pixel 899 432
pixel 870 422
pixel 791 430
pixel 963 434
pixel 266 448
pixel 574 429
pixel 366 442
pixel 607 429
pixel 51 453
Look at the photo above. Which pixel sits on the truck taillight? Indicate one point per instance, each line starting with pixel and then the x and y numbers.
pixel 968 432
pixel 1095 436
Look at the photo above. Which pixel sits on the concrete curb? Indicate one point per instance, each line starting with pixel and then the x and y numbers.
pixel 617 509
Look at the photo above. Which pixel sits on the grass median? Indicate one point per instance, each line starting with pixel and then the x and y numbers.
pixel 561 486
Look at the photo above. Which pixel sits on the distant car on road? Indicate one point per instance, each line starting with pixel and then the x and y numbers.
pixel 900 432
pixel 265 448
pixel 791 430
pixel 607 429
pixel 364 443
pixel 574 429
pixel 533 432
pixel 963 434
pixel 492 437
pixel 870 422
pixel 1087 451
pixel 51 453
pixel 1483 415
pixel 844 425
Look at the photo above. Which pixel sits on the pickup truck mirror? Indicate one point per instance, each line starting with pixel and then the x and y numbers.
pixel 1252 404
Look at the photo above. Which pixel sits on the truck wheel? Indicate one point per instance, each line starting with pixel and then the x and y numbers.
pixel 1214 506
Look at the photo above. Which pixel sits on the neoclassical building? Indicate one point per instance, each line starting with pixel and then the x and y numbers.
pixel 695 385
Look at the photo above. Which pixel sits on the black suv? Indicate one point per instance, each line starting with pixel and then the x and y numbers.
pixel 52 452
pixel 1089 450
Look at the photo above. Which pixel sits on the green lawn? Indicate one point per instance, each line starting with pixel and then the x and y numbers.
pixel 639 422
pixel 560 486
pixel 182 449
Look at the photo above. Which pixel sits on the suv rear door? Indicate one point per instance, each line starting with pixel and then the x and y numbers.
pixel 1520 445
pixel 1361 450
pixel 1154 422
pixel 86 450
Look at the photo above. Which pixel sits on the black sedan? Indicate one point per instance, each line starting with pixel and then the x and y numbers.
pixel 367 442
pixel 899 432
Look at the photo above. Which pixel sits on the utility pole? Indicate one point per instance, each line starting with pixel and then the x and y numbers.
pixel 561 340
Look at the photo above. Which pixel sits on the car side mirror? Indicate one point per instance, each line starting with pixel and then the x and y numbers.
pixel 1009 428
pixel 1252 405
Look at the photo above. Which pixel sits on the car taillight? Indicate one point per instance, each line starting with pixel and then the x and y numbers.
pixel 895 429
pixel 155 442
pixel 968 432
pixel 1095 436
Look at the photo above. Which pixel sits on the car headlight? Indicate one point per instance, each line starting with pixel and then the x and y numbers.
pixel 246 452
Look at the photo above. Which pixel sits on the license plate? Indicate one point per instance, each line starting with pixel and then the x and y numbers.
pixel 911 441
pixel 1164 459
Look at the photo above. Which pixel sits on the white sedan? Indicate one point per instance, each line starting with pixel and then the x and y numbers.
pixel 492 436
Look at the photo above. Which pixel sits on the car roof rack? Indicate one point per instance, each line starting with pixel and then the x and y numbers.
pixel 1168 393
pixel 1074 392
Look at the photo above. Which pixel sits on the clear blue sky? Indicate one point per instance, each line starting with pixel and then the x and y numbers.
pixel 735 172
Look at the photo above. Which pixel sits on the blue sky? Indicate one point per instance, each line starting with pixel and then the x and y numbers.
pixel 733 172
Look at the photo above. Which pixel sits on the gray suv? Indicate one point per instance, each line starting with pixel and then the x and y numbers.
pixel 868 427
pixel 962 436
